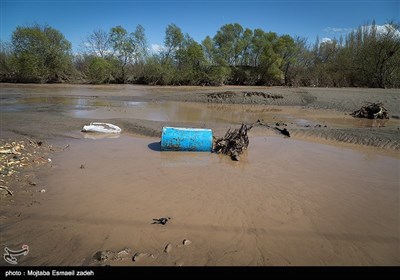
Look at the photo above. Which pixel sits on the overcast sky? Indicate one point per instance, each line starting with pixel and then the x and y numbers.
pixel 76 19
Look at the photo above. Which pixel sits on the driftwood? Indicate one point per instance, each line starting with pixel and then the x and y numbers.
pixel 371 111
pixel 233 143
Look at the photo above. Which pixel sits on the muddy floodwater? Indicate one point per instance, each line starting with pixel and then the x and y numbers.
pixel 328 195
pixel 94 108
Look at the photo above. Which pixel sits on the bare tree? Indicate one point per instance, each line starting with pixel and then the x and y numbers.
pixel 140 41
pixel 98 43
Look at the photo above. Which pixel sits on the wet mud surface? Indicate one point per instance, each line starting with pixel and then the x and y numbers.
pixel 328 195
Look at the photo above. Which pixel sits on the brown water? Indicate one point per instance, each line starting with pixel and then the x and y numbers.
pixel 226 113
pixel 91 107
pixel 179 111
pixel 288 202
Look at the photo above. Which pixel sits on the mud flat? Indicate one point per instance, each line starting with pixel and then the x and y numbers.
pixel 328 195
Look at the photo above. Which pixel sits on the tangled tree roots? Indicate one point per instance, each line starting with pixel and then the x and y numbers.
pixel 371 111
pixel 233 143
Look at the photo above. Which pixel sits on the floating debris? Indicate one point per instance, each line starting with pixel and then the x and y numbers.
pixel 101 127
pixel 233 143
pixel 372 111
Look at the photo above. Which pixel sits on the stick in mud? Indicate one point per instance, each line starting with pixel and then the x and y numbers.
pixel 283 131
pixel 7 190
pixel 233 143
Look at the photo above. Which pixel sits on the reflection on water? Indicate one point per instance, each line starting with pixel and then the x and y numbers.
pixel 74 102
pixel 222 113
pixel 95 136
pixel 179 111
pixel 94 107
pixel 173 159
pixel 132 103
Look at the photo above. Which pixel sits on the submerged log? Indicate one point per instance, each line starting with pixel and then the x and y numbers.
pixel 233 143
pixel 371 111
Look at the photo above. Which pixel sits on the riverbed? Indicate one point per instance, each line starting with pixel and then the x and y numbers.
pixel 328 195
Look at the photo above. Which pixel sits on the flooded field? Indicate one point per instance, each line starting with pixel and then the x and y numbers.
pixel 288 201
pixel 95 108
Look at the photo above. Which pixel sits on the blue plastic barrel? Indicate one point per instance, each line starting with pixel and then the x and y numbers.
pixel 186 139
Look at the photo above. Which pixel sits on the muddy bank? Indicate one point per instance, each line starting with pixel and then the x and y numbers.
pixel 384 139
pixel 343 99
pixel 340 99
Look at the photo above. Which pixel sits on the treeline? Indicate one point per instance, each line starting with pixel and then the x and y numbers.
pixel 366 57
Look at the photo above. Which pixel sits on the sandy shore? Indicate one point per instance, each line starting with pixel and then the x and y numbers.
pixel 326 196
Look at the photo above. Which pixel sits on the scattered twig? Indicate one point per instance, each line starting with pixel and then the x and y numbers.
pixel 7 189
pixel 161 221
pixel 284 131
pixel 66 147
